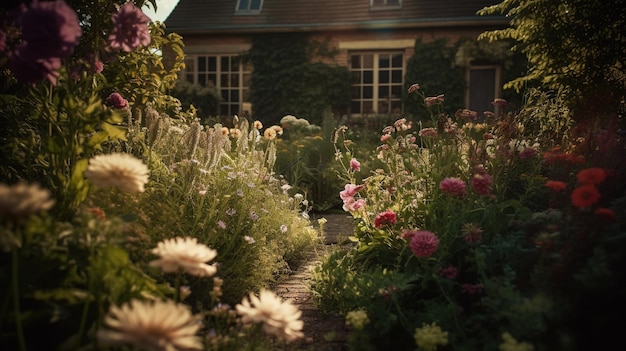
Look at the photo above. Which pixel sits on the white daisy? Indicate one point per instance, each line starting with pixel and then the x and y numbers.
pixel 184 254
pixel 279 318
pixel 22 200
pixel 120 170
pixel 153 326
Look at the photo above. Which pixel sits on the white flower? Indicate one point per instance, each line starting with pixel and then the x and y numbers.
pixel 120 170
pixel 185 254
pixel 22 200
pixel 154 326
pixel 279 318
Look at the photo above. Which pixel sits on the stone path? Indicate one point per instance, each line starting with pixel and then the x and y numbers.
pixel 322 332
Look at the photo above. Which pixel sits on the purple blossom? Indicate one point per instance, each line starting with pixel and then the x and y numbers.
pixel 221 224
pixel 29 70
pixel 116 100
pixel 130 29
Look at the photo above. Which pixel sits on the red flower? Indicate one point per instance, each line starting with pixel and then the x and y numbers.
pixel 556 185
pixel 424 243
pixel 387 217
pixel 591 176
pixel 585 196
pixel 453 186
pixel 482 183
pixel 605 213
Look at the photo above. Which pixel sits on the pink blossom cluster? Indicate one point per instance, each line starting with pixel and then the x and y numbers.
pixel 384 218
pixel 347 195
pixel 130 29
pixel 423 243
pixel 453 186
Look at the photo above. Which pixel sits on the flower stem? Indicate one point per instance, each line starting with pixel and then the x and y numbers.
pixel 177 286
pixel 16 301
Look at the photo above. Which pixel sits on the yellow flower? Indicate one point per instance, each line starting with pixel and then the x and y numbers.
pixel 357 319
pixel 185 254
pixel 429 336
pixel 153 326
pixel 120 170
pixel 510 344
pixel 279 318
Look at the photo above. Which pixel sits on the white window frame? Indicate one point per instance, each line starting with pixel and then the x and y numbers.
pixel 242 89
pixel 376 99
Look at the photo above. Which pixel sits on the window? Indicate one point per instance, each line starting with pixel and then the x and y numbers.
pixel 385 4
pixel 249 6
pixel 376 82
pixel 227 73
pixel 483 87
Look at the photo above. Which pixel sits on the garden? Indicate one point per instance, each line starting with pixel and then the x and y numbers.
pixel 129 223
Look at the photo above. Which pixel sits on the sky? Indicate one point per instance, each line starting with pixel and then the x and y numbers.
pixel 164 8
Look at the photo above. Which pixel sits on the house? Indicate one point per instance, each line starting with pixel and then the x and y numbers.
pixel 373 38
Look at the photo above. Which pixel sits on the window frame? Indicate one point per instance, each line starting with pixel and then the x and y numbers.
pixel 242 89
pixel 376 100
pixel 248 10
pixel 385 5
pixel 497 81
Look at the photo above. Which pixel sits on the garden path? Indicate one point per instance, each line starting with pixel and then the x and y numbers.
pixel 322 332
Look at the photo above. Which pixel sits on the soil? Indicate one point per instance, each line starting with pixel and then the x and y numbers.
pixel 323 332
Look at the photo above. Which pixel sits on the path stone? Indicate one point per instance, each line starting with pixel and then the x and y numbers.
pixel 322 332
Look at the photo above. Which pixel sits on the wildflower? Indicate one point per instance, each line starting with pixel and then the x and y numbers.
pixel 153 325
pixel 29 70
pixel 471 288
pixel 231 212
pixel 351 205
pixel 257 125
pixel 434 100
pixel 249 239
pixel 605 213
pixel 510 344
pixel 429 336
pixel 221 224
pixel 355 165
pixel 428 133
pixel 254 216
pixel 116 100
pixel 499 102
pixel 283 228
pixel 453 186
pixel 383 218
pixel 423 243
pixel 556 185
pixel 279 318
pixel 278 129
pixel 21 200
pixel 130 28
pixel 235 133
pixel 357 319
pixel 482 183
pixel 184 254
pixel 472 232
pixel 414 87
pixel 350 190
pixel 269 134
pixel 466 114
pixel 239 192
pixel 224 131
pixel 121 170
pixel 585 196
pixel 50 28
pixel 449 272
pixel 385 137
pixel 202 192
pixel 591 176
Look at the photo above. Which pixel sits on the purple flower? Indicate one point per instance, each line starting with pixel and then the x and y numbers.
pixel 130 28
pixel 50 29
pixel 254 216
pixel 116 100
pixel 29 70
pixel 221 224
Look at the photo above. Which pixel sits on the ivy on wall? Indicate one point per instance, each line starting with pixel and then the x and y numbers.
pixel 285 81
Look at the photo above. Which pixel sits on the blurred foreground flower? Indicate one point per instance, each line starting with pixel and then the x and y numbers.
pixel 154 326
pixel 22 200
pixel 429 336
pixel 120 170
pixel 279 318
pixel 185 254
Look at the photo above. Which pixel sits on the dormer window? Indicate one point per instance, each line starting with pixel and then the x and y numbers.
pixel 249 6
pixel 385 4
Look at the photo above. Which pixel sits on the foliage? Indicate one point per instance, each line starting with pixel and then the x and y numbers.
pixel 287 82
pixel 576 46
pixel 206 100
pixel 464 229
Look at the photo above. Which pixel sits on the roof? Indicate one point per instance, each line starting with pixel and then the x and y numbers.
pixel 219 16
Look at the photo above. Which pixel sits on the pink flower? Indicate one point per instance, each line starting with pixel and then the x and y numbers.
pixel 116 100
pixel 499 102
pixel 449 272
pixel 428 132
pixel 453 186
pixel 472 232
pixel 29 70
pixel 434 100
pixel 355 165
pixel 482 183
pixel 350 190
pixel 471 288
pixel 414 87
pixel 385 137
pixel 130 28
pixel 528 152
pixel 383 218
pixel 351 204
pixel 424 243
